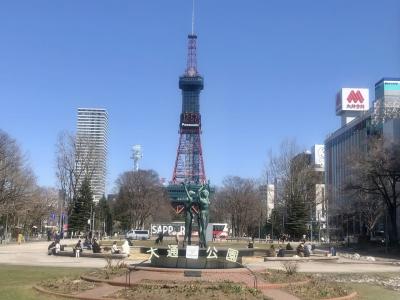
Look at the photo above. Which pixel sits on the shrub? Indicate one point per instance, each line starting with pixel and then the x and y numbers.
pixel 290 267
pixel 113 268
pixel 289 247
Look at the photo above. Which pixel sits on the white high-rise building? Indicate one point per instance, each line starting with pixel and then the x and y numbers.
pixel 270 199
pixel 91 155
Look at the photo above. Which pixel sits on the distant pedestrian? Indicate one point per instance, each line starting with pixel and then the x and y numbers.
pixel 20 238
pixel 78 249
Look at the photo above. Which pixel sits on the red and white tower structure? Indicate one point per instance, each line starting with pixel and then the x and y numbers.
pixel 189 164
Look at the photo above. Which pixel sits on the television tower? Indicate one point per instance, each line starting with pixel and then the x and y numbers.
pixel 189 165
pixel 137 154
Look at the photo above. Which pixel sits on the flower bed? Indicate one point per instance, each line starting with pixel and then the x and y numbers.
pixel 67 285
pixel 190 290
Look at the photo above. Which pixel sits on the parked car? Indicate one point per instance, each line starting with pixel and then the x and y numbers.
pixel 138 234
pixel 378 237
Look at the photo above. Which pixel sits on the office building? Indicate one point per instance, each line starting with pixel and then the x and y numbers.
pixel 359 124
pixel 91 159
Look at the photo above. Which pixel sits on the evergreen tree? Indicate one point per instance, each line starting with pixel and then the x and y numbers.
pixel 274 224
pixel 104 216
pixel 297 218
pixel 82 205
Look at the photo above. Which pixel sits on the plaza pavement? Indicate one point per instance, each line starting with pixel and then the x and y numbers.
pixel 35 254
pixel 341 266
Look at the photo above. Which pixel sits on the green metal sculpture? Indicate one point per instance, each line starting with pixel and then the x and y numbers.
pixel 201 199
pixel 188 215
pixel 203 215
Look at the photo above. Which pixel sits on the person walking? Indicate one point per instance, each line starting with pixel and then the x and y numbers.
pixel 20 238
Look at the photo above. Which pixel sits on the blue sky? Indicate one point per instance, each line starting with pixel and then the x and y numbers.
pixel 271 69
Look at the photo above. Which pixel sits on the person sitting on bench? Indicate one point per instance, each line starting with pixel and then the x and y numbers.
pixel 57 248
pixel 87 244
pixel 51 248
pixel 114 248
pixel 160 238
pixel 96 247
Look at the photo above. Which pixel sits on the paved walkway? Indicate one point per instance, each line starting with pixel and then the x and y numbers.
pixel 35 254
pixel 101 291
pixel 341 266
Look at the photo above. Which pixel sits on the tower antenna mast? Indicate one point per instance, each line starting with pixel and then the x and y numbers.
pixel 193 17
pixel 137 155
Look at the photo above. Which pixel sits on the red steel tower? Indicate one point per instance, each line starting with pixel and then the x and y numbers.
pixel 189 165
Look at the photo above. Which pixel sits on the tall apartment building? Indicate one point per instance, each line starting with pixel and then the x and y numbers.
pixel 359 124
pixel 91 159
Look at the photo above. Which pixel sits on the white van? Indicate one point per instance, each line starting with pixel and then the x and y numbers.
pixel 138 234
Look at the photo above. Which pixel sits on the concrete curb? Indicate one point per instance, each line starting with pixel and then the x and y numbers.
pixel 205 271
pixel 106 281
pixel 328 258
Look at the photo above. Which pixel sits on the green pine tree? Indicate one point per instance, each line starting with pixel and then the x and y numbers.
pixel 82 205
pixel 104 216
pixel 297 218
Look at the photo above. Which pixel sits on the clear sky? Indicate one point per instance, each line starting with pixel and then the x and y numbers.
pixel 271 70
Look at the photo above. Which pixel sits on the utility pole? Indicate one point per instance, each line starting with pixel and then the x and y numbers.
pixel 93 227
pixel 311 223
pixel 90 218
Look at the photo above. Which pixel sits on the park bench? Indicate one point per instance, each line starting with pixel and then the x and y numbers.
pixel 238 239
pixel 289 253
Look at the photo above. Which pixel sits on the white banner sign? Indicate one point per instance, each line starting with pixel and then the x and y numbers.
pixel 192 252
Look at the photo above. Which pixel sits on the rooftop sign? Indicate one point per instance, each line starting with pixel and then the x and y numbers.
pixel 352 99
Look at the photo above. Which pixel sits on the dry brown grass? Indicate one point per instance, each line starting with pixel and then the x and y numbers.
pixel 195 290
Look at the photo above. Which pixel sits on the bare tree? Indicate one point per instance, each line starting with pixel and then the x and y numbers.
pixel 375 173
pixel 371 209
pixel 37 207
pixel 17 181
pixel 74 162
pixel 239 201
pixel 295 179
pixel 140 196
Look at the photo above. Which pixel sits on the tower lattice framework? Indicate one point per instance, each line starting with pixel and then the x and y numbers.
pixel 189 164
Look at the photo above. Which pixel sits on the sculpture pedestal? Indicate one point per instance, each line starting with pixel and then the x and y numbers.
pixel 202 262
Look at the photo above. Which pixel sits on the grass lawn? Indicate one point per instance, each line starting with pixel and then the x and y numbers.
pixel 16 281
pixel 373 292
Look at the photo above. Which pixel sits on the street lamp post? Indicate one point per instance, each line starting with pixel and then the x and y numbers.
pixel 311 224
pixel 272 227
